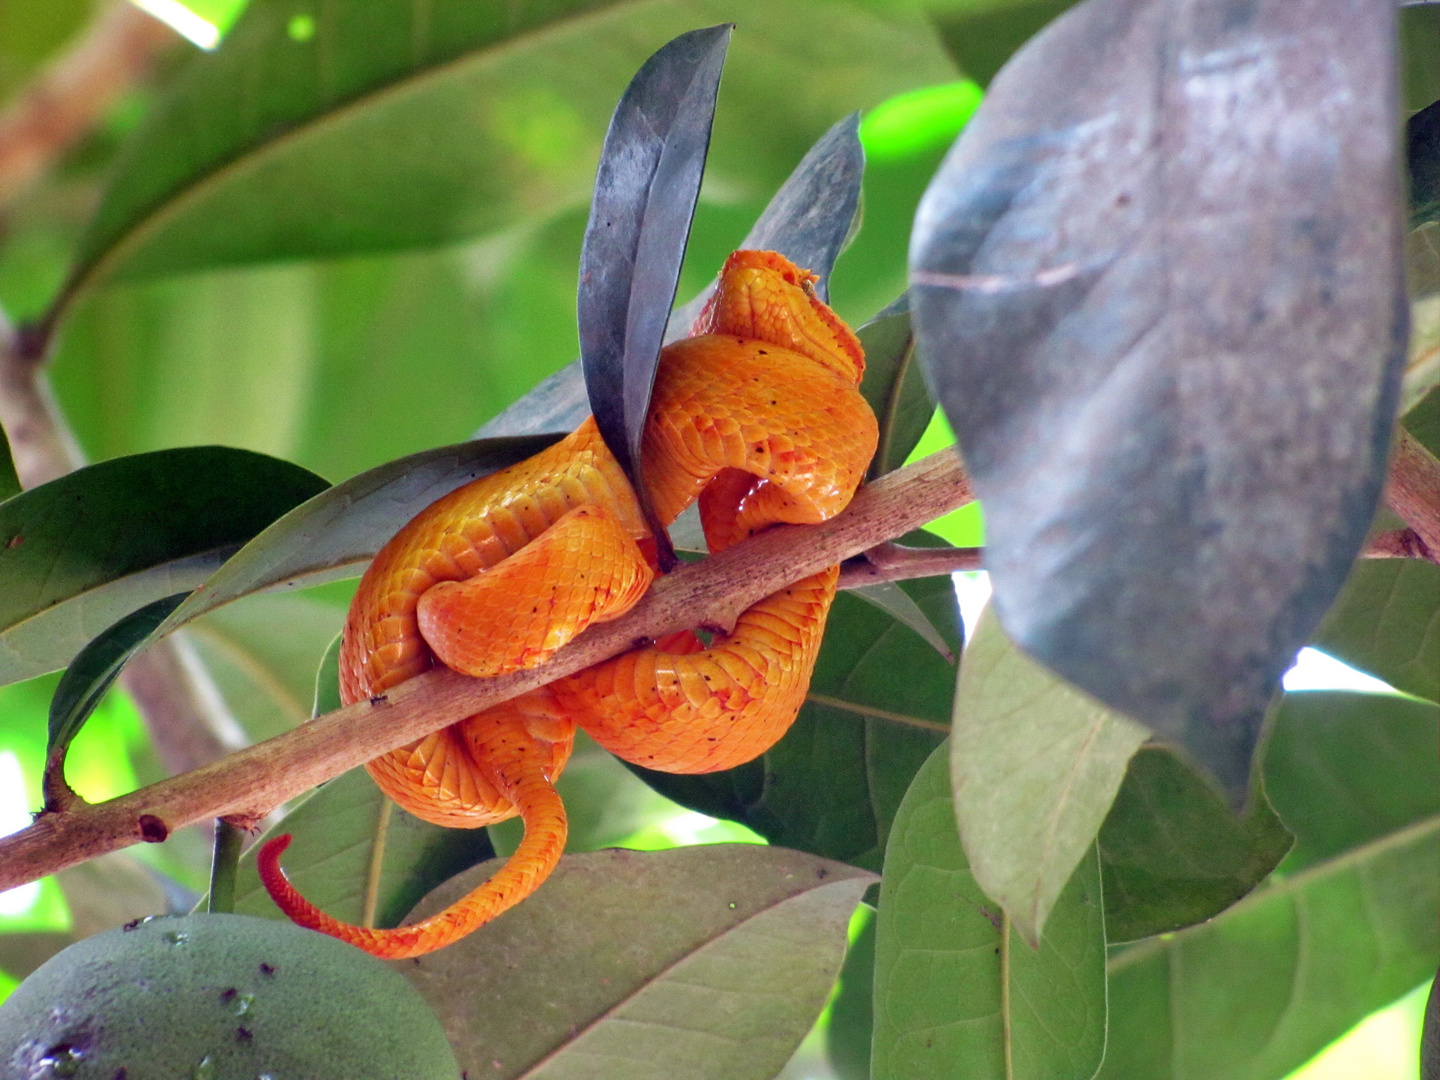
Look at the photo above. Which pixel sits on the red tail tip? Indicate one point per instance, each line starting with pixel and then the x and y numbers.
pixel 268 861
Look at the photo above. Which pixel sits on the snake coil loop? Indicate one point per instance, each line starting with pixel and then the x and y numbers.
pixel 757 415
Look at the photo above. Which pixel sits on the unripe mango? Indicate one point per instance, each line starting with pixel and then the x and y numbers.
pixel 218 997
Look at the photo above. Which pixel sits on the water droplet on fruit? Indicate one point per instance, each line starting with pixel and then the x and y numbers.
pixel 242 1004
pixel 205 1070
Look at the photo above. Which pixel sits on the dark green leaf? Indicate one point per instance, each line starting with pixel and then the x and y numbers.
pixel 1386 622
pixel 1258 989
pixel 336 533
pixel 1171 852
pixel 1422 139
pixel 607 806
pixel 711 962
pixel 1121 372
pixel 896 602
pixel 957 994
pixel 1035 764
pixel 981 37
pixel 852 1011
pixel 81 552
pixel 1344 769
pixel 894 387
pixel 879 703
pixel 9 479
pixel 93 671
pixel 645 195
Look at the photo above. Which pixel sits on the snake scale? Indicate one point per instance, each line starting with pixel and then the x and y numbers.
pixel 757 415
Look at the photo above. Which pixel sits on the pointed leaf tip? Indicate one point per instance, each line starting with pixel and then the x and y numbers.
pixel 645 194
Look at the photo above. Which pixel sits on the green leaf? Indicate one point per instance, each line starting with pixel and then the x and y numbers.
pixel 606 803
pixel 262 654
pixel 1257 990
pixel 1386 622
pixel 1345 769
pixel 81 552
pixel 982 36
pixel 355 853
pixel 957 994
pixel 1173 854
pixel 1430 1035
pixel 339 531
pixel 894 387
pixel 1419 65
pixel 896 602
pixel 93 671
pixel 326 697
pixel 879 703
pixel 707 962
pixel 9 479
pixel 401 123
pixel 354 850
pixel 852 1012
pixel 1035 764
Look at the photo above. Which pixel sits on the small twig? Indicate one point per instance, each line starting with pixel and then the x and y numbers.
pixel 1412 489
pixel 247 784
pixel 75 91
pixel 895 562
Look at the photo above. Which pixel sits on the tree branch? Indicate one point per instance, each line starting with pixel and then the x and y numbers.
pixel 895 562
pixel 1398 544
pixel 1413 488
pixel 246 785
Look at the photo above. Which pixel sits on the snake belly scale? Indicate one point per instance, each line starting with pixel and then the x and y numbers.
pixel 757 415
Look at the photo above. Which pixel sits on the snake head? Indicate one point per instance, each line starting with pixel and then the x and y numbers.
pixel 763 295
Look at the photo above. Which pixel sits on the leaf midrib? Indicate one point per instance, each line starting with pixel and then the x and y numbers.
pixel 659 976
pixel 255 154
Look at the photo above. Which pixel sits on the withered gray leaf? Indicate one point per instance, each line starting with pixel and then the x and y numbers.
pixel 807 221
pixel 1157 287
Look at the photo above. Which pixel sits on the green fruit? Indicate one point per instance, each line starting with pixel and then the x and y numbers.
pixel 219 997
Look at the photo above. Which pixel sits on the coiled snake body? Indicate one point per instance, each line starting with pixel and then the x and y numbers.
pixel 759 416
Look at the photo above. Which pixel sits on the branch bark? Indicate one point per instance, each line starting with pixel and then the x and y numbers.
pixel 1413 488
pixel 248 784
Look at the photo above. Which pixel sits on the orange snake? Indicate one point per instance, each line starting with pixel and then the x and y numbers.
pixel 759 416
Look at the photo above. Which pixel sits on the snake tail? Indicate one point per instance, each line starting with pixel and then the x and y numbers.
pixel 523 779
